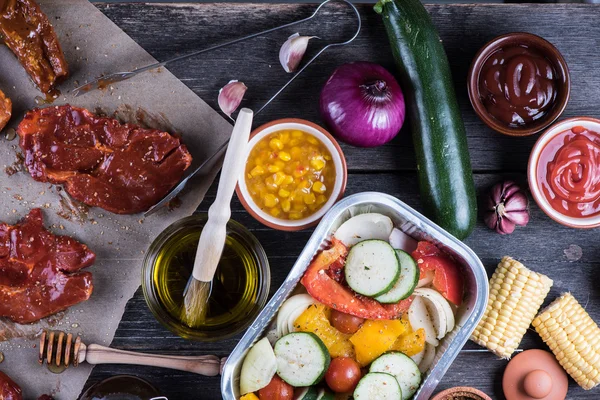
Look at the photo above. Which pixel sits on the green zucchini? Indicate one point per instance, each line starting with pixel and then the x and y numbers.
pixel 443 164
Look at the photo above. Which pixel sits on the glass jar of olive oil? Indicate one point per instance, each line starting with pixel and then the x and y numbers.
pixel 239 290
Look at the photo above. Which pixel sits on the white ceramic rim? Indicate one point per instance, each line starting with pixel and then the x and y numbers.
pixel 584 222
pixel 337 187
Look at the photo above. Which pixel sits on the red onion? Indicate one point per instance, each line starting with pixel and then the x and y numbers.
pixel 505 207
pixel 362 104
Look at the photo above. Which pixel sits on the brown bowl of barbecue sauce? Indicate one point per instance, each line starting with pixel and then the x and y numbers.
pixel 519 84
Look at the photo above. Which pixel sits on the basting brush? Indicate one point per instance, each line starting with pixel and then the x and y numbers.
pixel 214 233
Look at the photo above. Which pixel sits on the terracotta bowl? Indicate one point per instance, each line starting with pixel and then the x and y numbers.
pixel 461 393
pixel 545 48
pixel 339 162
pixel 532 167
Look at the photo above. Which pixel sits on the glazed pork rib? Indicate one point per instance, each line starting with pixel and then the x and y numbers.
pixel 39 271
pixel 122 168
pixel 26 30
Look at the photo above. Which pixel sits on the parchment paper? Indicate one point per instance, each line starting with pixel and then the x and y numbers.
pixel 93 46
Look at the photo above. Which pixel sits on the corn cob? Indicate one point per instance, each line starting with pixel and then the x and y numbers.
pixel 573 337
pixel 516 294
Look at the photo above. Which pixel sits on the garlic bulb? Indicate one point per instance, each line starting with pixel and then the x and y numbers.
pixel 505 207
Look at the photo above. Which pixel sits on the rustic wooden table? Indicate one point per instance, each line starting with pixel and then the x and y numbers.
pixel 568 256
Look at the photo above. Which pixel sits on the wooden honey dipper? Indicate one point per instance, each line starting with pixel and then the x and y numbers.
pixel 59 351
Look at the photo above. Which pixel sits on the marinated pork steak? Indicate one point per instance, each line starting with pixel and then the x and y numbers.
pixel 39 271
pixel 122 168
pixel 26 30
pixel 9 390
pixel 5 110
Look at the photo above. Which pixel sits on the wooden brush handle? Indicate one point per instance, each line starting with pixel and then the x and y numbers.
pixel 202 365
pixel 212 238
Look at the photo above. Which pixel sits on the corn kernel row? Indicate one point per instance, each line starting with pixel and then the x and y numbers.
pixel 573 337
pixel 516 294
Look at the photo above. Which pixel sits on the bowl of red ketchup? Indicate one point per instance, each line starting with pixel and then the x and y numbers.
pixel 519 84
pixel 564 172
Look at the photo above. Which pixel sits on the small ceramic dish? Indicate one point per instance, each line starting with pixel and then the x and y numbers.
pixel 562 81
pixel 339 182
pixel 534 164
pixel 461 393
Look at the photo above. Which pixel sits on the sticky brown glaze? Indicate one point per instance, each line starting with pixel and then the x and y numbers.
pixel 39 271
pixel 518 85
pixel 122 168
pixel 5 110
pixel 9 390
pixel 26 30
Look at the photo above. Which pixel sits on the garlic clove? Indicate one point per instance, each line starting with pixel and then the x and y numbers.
pixel 520 218
pixel 516 202
pixel 505 226
pixel 230 96
pixel 509 188
pixel 491 219
pixel 292 51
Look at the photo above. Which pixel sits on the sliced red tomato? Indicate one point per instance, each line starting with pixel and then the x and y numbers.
pixel 320 284
pixel 447 278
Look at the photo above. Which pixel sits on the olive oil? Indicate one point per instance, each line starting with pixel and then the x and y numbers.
pixel 235 292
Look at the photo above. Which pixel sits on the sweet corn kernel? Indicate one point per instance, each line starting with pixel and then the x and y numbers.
pixel 296 152
pixel 299 206
pixel 297 134
pixel 278 178
pixel 321 199
pixel 286 205
pixel 319 187
pixel 295 215
pixel 273 168
pixel 276 212
pixel 312 140
pixel 270 200
pixel 284 156
pixel 276 144
pixel 270 184
pixel 288 180
pixel 317 162
pixel 309 199
pixel 257 171
pixel 283 193
pixel 285 137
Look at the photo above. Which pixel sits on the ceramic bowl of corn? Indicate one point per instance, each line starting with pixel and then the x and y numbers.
pixel 294 173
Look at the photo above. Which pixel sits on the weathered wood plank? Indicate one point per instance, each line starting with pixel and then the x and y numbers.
pixel 165 30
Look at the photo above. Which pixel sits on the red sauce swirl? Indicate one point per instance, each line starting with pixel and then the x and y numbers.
pixel 569 172
pixel 517 85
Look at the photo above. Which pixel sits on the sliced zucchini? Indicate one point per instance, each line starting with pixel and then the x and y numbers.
pixel 325 395
pixel 372 267
pixel 302 359
pixel 377 385
pixel 364 227
pixel 406 283
pixel 403 368
pixel 258 368
pixel 309 393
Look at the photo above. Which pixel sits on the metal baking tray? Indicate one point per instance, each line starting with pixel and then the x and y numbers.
pixel 412 223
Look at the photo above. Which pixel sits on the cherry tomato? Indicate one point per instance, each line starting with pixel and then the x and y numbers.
pixel 343 374
pixel 277 389
pixel 345 323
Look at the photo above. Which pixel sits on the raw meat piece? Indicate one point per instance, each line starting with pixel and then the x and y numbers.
pixel 9 390
pixel 26 30
pixel 5 109
pixel 122 168
pixel 39 271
